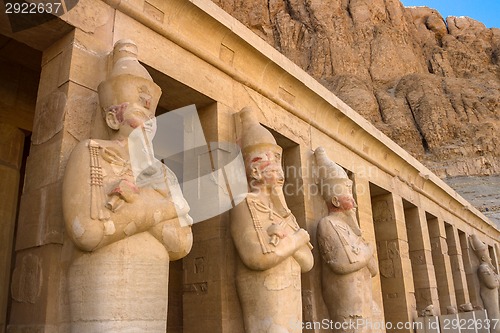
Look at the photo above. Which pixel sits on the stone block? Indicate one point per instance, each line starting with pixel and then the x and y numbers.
pixel 49 76
pixel 81 105
pixel 75 62
pixel 40 217
pixel 42 166
pixel 38 284
pixel 49 116
pixel 46 162
pixel 93 18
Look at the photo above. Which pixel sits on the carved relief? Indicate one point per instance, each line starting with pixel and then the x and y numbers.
pixel 272 249
pixel 123 210
pixel 381 212
pixel 387 268
pixel 27 279
pixel 348 260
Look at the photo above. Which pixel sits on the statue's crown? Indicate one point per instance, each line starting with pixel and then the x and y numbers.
pixel 477 245
pixel 326 168
pixel 330 174
pixel 129 81
pixel 257 141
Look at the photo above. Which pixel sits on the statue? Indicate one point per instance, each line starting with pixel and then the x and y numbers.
pixel 348 261
pixel 123 211
pixel 489 282
pixel 272 249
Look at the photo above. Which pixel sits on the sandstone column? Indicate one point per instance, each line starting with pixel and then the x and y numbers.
pixel 66 106
pixel 11 152
pixel 424 277
pixel 366 223
pixel 442 265
pixel 457 265
pixel 393 256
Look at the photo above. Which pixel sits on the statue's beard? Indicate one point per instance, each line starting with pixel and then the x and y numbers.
pixel 277 198
pixel 352 220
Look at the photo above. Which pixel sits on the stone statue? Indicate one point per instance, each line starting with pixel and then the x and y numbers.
pixel 348 260
pixel 123 210
pixel 489 282
pixel 272 249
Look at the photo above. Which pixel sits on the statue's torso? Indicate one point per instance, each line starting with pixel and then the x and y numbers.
pixel 271 293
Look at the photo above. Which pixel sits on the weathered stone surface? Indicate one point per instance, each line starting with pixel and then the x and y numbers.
pixel 431 85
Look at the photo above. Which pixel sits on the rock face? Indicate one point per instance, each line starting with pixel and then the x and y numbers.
pixel 431 85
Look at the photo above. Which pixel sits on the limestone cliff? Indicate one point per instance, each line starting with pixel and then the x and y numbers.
pixel 431 85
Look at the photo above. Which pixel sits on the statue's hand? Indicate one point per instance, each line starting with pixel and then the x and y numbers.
pixel 301 237
pixel 125 191
pixel 276 232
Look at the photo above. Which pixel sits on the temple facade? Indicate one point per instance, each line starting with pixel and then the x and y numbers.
pixel 204 59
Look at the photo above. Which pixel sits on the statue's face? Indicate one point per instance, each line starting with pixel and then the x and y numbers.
pixel 346 202
pixel 272 175
pixel 134 117
pixel 340 194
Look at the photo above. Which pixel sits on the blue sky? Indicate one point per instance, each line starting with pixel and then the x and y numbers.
pixel 485 11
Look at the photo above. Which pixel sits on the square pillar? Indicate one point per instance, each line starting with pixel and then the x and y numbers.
pixel 442 264
pixel 394 262
pixel 361 189
pixel 457 265
pixel 66 109
pixel 424 277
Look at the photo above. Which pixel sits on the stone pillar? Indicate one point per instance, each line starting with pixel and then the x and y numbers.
pixel 470 269
pixel 11 153
pixel 442 265
pixel 209 297
pixel 457 265
pixel 424 277
pixel 66 107
pixel 361 191
pixel 393 256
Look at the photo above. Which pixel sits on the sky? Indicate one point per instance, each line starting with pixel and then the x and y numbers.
pixel 485 11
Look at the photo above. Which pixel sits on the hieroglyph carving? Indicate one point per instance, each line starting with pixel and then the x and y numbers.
pixel 123 210
pixel 272 249
pixel 348 260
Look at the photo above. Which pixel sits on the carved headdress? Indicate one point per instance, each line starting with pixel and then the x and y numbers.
pixel 331 177
pixel 257 143
pixel 129 81
pixel 479 247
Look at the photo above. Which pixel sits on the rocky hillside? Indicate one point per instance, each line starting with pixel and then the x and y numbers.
pixel 431 85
